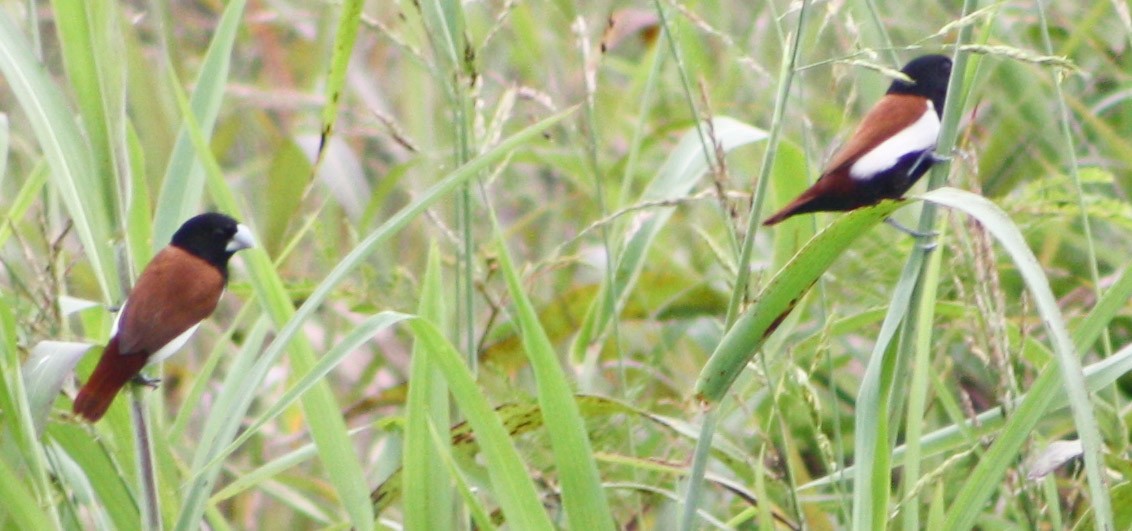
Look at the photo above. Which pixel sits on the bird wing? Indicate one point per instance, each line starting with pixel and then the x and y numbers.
pixel 176 291
pixel 892 114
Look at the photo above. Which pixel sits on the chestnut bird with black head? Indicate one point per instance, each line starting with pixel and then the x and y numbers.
pixel 179 288
pixel 892 148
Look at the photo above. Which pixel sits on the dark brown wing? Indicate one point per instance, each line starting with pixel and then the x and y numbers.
pixel 834 189
pixel 892 114
pixel 176 291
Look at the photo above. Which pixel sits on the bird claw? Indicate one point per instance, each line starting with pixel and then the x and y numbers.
pixel 926 246
pixel 148 382
pixel 937 158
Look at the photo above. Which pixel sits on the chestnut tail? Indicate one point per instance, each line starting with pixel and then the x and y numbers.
pixel 798 206
pixel 111 374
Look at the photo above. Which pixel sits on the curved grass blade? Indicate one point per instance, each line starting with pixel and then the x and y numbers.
pixel 676 178
pixel 354 339
pixel 779 297
pixel 50 363
pixel 273 296
pixel 1097 377
pixel 67 154
pixel 990 469
pixel 91 43
pixel 183 184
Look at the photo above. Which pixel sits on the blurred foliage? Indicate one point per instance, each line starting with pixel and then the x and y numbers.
pixel 567 201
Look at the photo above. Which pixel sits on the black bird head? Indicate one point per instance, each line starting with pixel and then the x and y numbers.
pixel 214 238
pixel 930 74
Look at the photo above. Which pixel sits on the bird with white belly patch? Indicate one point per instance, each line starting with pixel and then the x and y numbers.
pixel 891 149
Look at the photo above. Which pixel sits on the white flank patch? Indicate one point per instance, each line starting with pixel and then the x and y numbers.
pixel 921 135
pixel 117 320
pixel 173 346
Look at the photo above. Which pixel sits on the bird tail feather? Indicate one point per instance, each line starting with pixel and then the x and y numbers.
pixel 798 206
pixel 111 374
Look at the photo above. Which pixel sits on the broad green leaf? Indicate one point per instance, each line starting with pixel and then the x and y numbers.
pixel 789 178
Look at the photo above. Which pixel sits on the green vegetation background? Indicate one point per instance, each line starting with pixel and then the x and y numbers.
pixel 490 295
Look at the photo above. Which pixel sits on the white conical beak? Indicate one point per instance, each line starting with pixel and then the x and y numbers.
pixel 243 239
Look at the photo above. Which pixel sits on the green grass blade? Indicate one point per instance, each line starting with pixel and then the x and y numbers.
pixel 91 42
pixel 24 200
pixel 25 408
pixel 18 503
pixel 323 415
pixel 322 412
pixel 512 484
pixel 582 493
pixel 479 514
pixel 871 424
pixel 999 225
pixel 344 39
pixel 68 156
pixel 919 387
pixel 675 180
pixel 779 298
pixel 428 493
pixel 184 182
pixel 139 223
pixel 355 338
pixel 287 181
